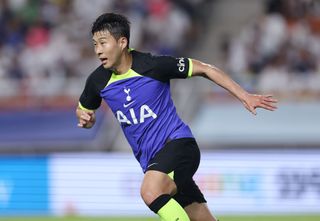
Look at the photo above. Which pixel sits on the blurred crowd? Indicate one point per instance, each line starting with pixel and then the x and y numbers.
pixel 280 51
pixel 45 45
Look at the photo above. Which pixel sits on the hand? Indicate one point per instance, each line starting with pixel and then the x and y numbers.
pixel 86 118
pixel 253 101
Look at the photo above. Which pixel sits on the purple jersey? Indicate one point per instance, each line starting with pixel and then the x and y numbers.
pixel 141 101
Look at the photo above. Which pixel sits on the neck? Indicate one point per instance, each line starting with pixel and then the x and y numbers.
pixel 125 63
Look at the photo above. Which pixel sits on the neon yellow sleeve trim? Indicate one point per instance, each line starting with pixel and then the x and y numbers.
pixel 83 108
pixel 171 175
pixel 190 68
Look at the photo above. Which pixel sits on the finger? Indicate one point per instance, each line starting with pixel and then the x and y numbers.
pixel 85 116
pixel 270 98
pixel 268 95
pixel 92 117
pixel 271 105
pixel 82 122
pixel 90 113
pixel 266 107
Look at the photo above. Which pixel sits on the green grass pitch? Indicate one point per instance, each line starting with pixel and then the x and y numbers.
pixel 221 218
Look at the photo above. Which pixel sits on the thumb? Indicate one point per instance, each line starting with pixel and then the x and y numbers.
pixel 253 111
pixel 250 108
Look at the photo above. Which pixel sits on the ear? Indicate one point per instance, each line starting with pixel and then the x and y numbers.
pixel 123 42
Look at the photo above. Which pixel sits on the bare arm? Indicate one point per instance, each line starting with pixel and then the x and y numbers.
pixel 250 101
pixel 86 118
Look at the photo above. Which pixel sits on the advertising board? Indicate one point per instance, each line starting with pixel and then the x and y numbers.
pixel 24 185
pixel 233 182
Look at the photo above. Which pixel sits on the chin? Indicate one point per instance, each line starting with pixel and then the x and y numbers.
pixel 106 66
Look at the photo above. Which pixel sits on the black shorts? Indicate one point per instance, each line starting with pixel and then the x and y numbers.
pixel 180 158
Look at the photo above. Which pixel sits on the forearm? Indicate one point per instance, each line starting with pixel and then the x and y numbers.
pixel 219 77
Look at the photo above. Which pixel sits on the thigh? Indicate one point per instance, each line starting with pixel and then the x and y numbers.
pixel 199 212
pixel 180 159
pixel 155 184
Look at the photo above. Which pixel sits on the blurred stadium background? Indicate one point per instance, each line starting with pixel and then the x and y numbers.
pixel 253 167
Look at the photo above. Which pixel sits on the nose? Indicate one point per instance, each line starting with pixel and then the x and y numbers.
pixel 98 49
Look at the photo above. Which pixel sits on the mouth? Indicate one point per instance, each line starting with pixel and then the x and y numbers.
pixel 104 60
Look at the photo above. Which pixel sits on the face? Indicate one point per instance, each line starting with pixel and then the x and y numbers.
pixel 108 49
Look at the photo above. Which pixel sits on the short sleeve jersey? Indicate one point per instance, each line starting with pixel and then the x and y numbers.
pixel 141 101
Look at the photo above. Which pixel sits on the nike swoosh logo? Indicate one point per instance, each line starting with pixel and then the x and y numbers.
pixel 152 164
pixel 128 104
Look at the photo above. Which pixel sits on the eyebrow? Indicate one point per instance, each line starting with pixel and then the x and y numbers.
pixel 101 38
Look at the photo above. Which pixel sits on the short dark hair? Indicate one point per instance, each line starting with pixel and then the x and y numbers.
pixel 118 25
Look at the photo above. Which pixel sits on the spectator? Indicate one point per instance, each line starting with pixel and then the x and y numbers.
pixel 40 42
pixel 281 51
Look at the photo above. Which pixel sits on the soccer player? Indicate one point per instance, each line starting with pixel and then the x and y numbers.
pixel 136 86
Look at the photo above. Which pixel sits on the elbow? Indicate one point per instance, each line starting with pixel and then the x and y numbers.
pixel 201 69
pixel 205 75
pixel 204 72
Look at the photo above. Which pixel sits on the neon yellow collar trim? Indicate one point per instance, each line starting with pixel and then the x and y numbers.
pixel 117 77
